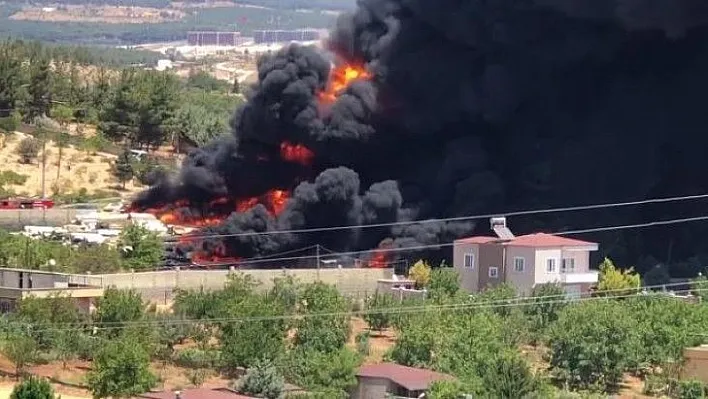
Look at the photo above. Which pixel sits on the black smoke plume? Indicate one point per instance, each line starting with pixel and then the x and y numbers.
pixel 474 107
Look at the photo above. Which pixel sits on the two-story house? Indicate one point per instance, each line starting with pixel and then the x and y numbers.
pixel 524 261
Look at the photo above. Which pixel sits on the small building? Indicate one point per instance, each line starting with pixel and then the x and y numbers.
pixel 525 261
pixel 196 393
pixel 378 381
pixel 16 284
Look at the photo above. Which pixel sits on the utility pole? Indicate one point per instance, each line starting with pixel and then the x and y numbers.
pixel 317 256
pixel 44 164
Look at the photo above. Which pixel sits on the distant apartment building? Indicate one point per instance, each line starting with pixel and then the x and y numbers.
pixel 524 261
pixel 284 36
pixel 208 38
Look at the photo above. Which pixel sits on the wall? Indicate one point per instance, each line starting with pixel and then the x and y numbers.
pixel 16 219
pixel 582 259
pixel 522 281
pixel 541 275
pixel 490 255
pixel 371 388
pixel 696 364
pixel 157 286
pixel 469 277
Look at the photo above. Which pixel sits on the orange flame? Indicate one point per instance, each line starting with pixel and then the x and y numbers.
pixel 378 261
pixel 296 153
pixel 341 77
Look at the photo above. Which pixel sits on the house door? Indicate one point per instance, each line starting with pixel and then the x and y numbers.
pixel 572 291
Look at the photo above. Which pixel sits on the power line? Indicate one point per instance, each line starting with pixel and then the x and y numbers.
pixel 489 305
pixel 455 219
pixel 256 260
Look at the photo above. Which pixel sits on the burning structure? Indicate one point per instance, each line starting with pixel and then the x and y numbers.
pixel 442 109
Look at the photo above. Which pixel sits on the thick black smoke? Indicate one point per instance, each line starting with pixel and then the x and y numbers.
pixel 475 106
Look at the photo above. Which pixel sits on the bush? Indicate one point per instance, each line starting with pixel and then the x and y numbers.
pixel 194 358
pixel 28 149
pixel 12 178
pixel 263 380
pixel 10 123
pixel 690 390
pixel 33 388
pixel 362 343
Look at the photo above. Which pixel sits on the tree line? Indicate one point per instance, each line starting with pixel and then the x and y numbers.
pixel 300 333
pixel 131 107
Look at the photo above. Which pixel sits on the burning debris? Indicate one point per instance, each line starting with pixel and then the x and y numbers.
pixel 430 112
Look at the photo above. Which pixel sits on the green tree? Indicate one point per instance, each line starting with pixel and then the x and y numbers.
pixel 198 123
pixel 315 370
pixel 61 141
pixel 28 149
pixel 120 370
pixel 204 81
pixel 120 114
pixel 141 248
pixel 45 314
pixel 444 283
pixel 10 79
pixel 287 291
pixel 244 343
pixel 33 388
pixel 21 350
pixel 420 273
pixel 546 303
pixel 122 168
pixel 40 89
pixel 117 307
pixel 610 345
pixel 263 380
pixel 316 330
pixel 616 281
pixel 378 308
pixel 508 376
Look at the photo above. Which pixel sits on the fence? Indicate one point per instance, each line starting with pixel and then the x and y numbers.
pixel 159 287
pixel 16 219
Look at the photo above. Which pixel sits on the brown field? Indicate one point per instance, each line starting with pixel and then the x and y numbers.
pixel 98 14
pixel 78 170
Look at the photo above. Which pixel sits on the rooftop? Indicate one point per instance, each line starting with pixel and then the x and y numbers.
pixel 410 378
pixel 537 240
pixel 197 393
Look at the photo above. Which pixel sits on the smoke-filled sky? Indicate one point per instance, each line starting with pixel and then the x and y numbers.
pixel 473 107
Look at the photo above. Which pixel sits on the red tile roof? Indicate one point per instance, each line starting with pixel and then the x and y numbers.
pixel 477 240
pixel 548 240
pixel 200 393
pixel 410 378
pixel 538 240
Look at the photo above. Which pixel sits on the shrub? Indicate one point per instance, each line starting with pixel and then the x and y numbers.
pixel 28 149
pixel 10 123
pixel 263 380
pixel 362 343
pixel 33 388
pixel 194 358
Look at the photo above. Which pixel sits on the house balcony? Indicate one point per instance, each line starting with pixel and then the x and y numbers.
pixel 590 277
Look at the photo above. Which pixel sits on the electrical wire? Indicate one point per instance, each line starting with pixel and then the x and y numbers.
pixel 454 219
pixel 256 260
pixel 472 305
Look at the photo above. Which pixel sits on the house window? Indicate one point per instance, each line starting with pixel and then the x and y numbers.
pixel 519 264
pixel 568 265
pixel 469 260
pixel 493 272
pixel 551 265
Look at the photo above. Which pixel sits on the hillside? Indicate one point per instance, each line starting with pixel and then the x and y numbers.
pixel 78 170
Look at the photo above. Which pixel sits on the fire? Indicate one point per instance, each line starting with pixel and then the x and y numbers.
pixel 378 261
pixel 217 210
pixel 296 153
pixel 342 76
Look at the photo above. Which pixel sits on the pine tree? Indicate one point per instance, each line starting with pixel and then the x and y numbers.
pixel 236 87
pixel 9 79
pixel 123 168
pixel 33 388
pixel 40 89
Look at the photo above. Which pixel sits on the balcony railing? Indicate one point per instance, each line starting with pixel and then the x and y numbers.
pixel 590 277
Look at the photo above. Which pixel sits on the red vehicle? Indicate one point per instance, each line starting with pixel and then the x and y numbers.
pixel 26 203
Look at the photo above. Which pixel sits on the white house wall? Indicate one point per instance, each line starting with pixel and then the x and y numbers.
pixel 542 275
